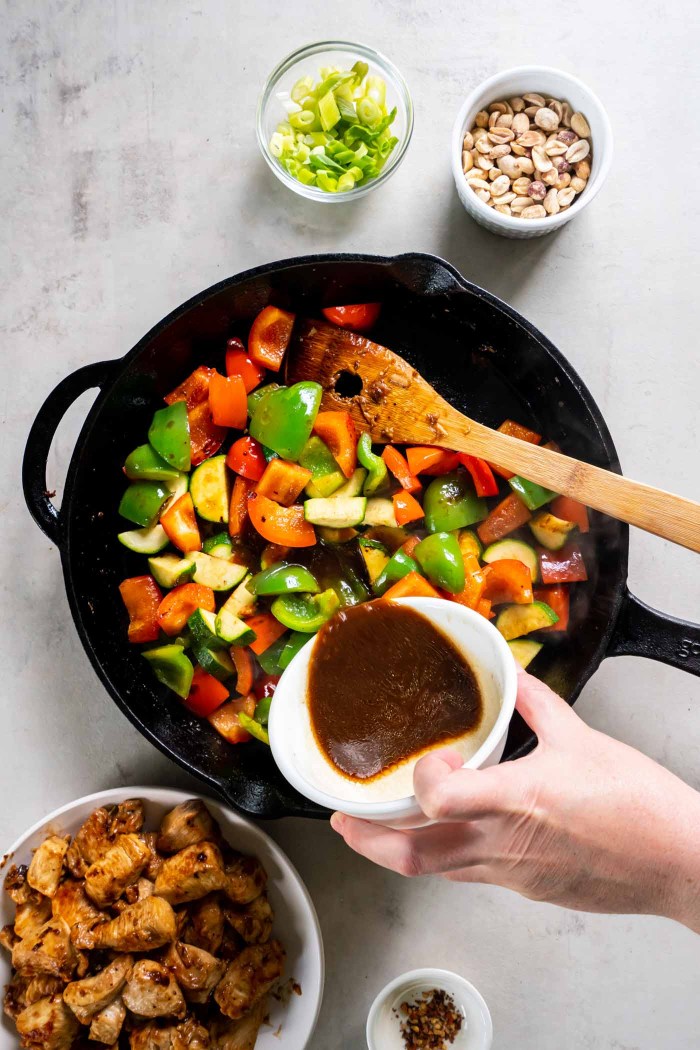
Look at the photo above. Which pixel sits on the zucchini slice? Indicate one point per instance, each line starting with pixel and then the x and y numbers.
pixel 380 511
pixel 336 512
pixel 375 560
pixel 353 486
pixel 232 630
pixel 242 601
pixel 515 549
pixel 516 620
pixel 214 572
pixel 210 490
pixel 524 650
pixel 218 546
pixel 551 532
pixel 202 625
pixel 145 541
pixel 214 661
pixel 169 570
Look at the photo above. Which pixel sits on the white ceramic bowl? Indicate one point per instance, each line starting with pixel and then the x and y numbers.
pixel 301 762
pixel 383 1027
pixel 553 83
pixel 296 923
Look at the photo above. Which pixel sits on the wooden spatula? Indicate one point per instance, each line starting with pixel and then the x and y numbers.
pixel 396 405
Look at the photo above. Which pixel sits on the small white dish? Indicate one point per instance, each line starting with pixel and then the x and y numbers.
pixel 296 922
pixel 553 83
pixel 305 767
pixel 383 1025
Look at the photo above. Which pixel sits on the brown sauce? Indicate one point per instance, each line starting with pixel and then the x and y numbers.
pixel 385 685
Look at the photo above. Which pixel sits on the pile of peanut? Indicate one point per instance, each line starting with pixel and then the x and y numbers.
pixel 528 157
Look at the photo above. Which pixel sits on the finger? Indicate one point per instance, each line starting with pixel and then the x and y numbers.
pixel 445 792
pixel 423 851
pixel 545 712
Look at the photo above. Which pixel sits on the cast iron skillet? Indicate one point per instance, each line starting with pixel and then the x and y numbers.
pixel 479 354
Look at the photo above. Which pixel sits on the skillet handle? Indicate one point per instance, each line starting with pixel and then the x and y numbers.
pixel 642 631
pixel 39 441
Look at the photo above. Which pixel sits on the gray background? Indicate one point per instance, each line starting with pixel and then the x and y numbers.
pixel 131 180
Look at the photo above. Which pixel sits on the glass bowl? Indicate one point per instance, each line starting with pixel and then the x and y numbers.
pixel 306 62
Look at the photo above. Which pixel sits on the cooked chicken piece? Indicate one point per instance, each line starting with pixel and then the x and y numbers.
pixel 31 916
pixel 71 903
pixel 245 878
pixel 139 891
pixel 44 986
pixel 148 924
pixel 16 885
pixel 127 818
pixel 205 925
pixel 242 1034
pixel 48 951
pixel 47 1025
pixel 107 1024
pixel 152 991
pixel 191 874
pixel 89 996
pixel 23 991
pixel 46 868
pixel 249 977
pixel 155 862
pixel 157 1035
pixel 253 922
pixel 90 842
pixel 121 866
pixel 8 938
pixel 186 825
pixel 196 971
pixel 16 995
pixel 191 1035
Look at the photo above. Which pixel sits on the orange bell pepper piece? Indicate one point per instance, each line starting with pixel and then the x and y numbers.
pixel 409 545
pixel 228 401
pixel 406 507
pixel 286 526
pixel 205 436
pixel 245 667
pixel 557 597
pixel 399 467
pixel 474 583
pixel 177 606
pixel 338 431
pixel 206 693
pixel 413 585
pixel 506 517
pixel 283 481
pixel 227 723
pixel 267 630
pixel 142 597
pixel 269 337
pixel 239 364
pixel 571 510
pixel 508 580
pixel 238 509
pixel 180 524
pixel 483 607
pixel 427 459
pixel 516 430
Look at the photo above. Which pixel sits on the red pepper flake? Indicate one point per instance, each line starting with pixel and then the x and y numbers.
pixel 430 1023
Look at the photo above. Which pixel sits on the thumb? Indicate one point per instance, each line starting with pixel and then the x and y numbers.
pixel 544 711
pixel 445 790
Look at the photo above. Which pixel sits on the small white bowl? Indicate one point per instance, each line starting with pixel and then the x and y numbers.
pixel 553 83
pixel 296 922
pixel 306 768
pixel 383 1026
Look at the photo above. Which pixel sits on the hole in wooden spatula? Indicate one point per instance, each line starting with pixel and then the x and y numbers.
pixel 347 384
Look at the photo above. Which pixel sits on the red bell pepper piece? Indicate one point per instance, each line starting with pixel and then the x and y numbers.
pixel 246 457
pixel 142 597
pixel 516 430
pixel 413 585
pixel 505 518
pixel 508 580
pixel 571 510
pixel 283 481
pixel 474 582
pixel 338 431
pixel 239 364
pixel 206 693
pixel 284 525
pixel 269 337
pixel 399 467
pixel 557 598
pixel 177 606
pixel 409 545
pixel 406 508
pixel 228 401
pixel 359 316
pixel 245 667
pixel 267 630
pixel 266 686
pixel 194 390
pixel 180 523
pixel 206 437
pixel 226 722
pixel 564 566
pixel 482 475
pixel 427 459
pixel 238 508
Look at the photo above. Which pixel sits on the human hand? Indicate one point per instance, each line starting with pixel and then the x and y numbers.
pixel 583 821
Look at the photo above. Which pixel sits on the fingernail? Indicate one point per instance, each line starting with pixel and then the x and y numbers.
pixel 337 822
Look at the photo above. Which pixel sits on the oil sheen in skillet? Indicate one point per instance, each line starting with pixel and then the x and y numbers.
pixel 385 685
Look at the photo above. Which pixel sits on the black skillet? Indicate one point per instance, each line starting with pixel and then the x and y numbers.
pixel 478 353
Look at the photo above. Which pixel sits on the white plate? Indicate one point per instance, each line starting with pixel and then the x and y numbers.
pixel 296 923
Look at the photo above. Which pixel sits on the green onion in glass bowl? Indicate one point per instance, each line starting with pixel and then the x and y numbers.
pixel 334 120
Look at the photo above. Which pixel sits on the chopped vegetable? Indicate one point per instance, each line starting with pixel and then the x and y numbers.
pixel 210 490
pixel 177 606
pixel 474 583
pixel 205 436
pixel 508 580
pixel 550 531
pixel 510 548
pixel 284 579
pixel 252 726
pixel 169 434
pixel 516 430
pixel 358 316
pixel 557 598
pixel 180 523
pixel 219 546
pixel 226 720
pixel 142 502
pixel 337 431
pixel 563 566
pixel 169 569
pixel 142 597
pixel 336 511
pixel 283 481
pixel 245 668
pixel 450 503
pixel 525 650
pixel 206 694
pixel 406 508
pixel 411 586
pixel 172 667
pixel 533 496
pixel 228 401
pixel 246 457
pixel 505 518
pixel 515 620
pixel 297 641
pixel 238 509
pixel 144 541
pixel 428 459
pixel 267 630
pixel 482 475
pixel 239 363
pixel 398 565
pixel 284 419
pixel 571 510
pixel 218 573
pixel 440 559
pixel 326 475
pixel 144 464
pixel 269 338
pixel 305 612
pixel 276 524
pixel 398 466
pixel 374 465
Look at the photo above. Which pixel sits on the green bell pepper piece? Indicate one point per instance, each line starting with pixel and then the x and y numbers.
pixel 374 464
pixel 532 495
pixel 327 476
pixel 256 396
pixel 295 644
pixel 270 659
pixel 451 503
pixel 172 667
pixel 254 728
pixel 398 566
pixel 262 710
pixel 169 433
pixel 441 560
pixel 284 419
pixel 142 501
pixel 144 464
pixel 283 578
pixel 305 612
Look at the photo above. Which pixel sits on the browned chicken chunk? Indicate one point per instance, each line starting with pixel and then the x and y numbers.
pixel 71 903
pixel 205 924
pixel 89 996
pixel 46 868
pixel 196 971
pixel 245 878
pixel 127 818
pixel 91 841
pixel 48 951
pixel 159 1035
pixel 32 915
pixel 121 866
pixel 148 924
pixel 8 938
pixel 155 862
pixel 107 1024
pixel 16 886
pixel 47 1025
pixel 186 825
pixel 253 922
pixel 15 998
pixel 190 874
pixel 241 1034
pixel 249 977
pixel 152 991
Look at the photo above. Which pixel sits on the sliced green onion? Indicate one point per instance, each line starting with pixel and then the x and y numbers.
pixel 345 182
pixel 302 88
pixel 304 119
pixel 368 111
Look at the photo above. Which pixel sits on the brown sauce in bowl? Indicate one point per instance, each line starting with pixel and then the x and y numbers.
pixel 384 685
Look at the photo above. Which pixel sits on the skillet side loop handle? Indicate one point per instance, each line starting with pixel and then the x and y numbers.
pixel 39 441
pixel 642 631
